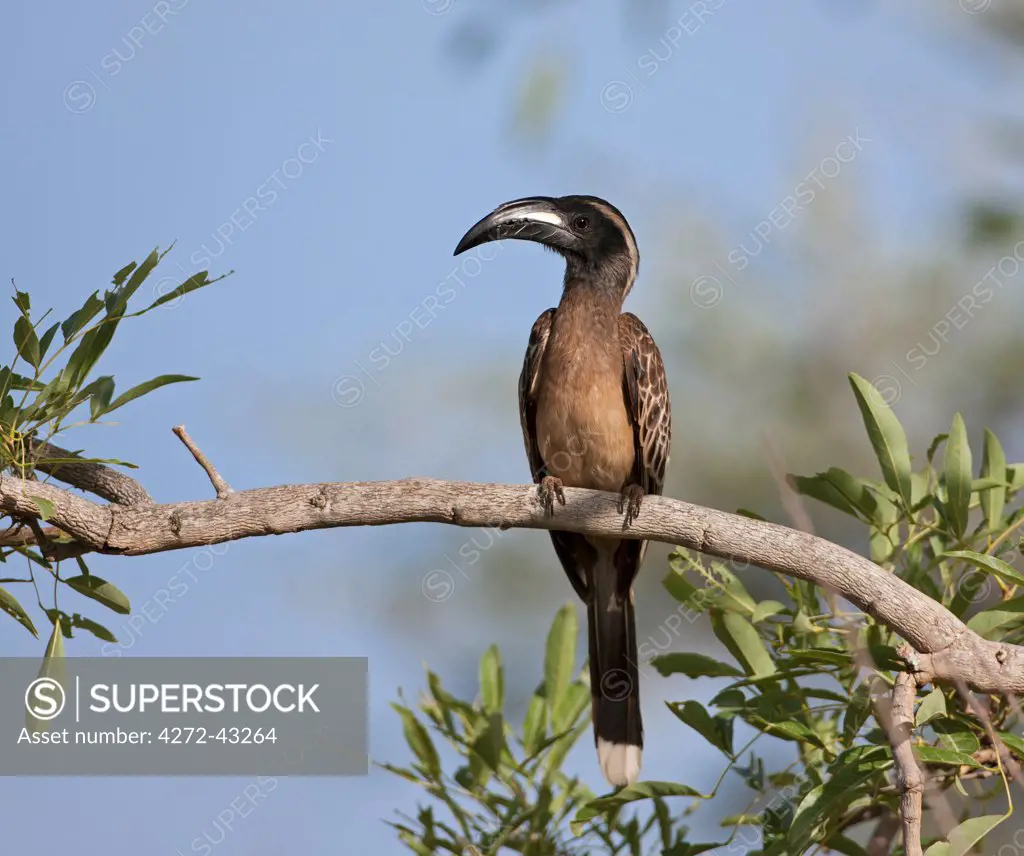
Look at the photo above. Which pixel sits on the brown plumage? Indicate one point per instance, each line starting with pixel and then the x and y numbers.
pixel 594 406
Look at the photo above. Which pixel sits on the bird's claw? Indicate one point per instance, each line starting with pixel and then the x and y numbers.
pixel 629 502
pixel 548 490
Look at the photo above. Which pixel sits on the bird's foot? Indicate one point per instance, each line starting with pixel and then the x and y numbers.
pixel 629 502
pixel 549 489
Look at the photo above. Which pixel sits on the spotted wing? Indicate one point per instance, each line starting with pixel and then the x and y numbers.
pixel 647 402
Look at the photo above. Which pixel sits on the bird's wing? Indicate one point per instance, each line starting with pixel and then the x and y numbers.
pixel 573 550
pixel 646 393
pixel 528 391
pixel 647 403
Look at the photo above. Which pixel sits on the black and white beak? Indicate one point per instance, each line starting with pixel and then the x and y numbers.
pixel 537 218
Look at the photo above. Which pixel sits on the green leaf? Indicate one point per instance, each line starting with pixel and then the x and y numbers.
pixel 716 730
pixel 97 630
pixel 54 667
pixel 490 741
pixel 938 755
pixel 840 490
pixel 138 276
pixel 78 319
pixel 850 771
pixel 45 507
pixel 958 476
pixel 1013 742
pixel 23 301
pixel 988 563
pixel 26 342
pixel 193 283
pixel 535 724
pixel 44 342
pixel 90 348
pixel 788 730
pixel 9 604
pixel 100 391
pixel 148 386
pixel 560 657
pixel 966 835
pixel 100 590
pixel 932 706
pixel 55 647
pixel 122 274
pixel 753 515
pixel 492 681
pixel 765 609
pixel 995 619
pixel 887 436
pixel 933 447
pixel 568 711
pixel 419 741
pixel 633 793
pixel 956 735
pixel 825 656
pixel 693 666
pixel 743 642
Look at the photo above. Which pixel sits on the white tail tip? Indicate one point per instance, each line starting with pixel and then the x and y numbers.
pixel 619 762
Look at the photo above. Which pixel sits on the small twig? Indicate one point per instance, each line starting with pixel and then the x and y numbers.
pixel 900 727
pixel 47 539
pixel 222 487
pixel 999 750
pixel 885 831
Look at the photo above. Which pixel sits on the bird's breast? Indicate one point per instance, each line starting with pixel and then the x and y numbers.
pixel 583 430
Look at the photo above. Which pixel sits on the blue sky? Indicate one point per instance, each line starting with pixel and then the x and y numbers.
pixel 123 131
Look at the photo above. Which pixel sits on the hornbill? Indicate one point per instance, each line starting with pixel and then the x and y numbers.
pixel 593 402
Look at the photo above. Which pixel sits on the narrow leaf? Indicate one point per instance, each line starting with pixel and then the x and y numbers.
pixel 9 604
pixel 47 338
pixel 26 341
pixel 560 656
pixel 78 319
pixel 693 666
pixel 990 564
pixel 743 642
pixel 143 388
pixel 995 619
pixel 45 507
pixel 100 590
pixel 100 393
pixel 191 284
pixel 492 681
pixel 958 476
pixel 993 465
pixel 932 706
pixel 634 793
pixel 419 741
pixel 716 730
pixel 887 436
pixel 950 757
pixel 96 629
pixel 966 835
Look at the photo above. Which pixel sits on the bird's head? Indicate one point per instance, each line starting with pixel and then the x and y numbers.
pixel 591 234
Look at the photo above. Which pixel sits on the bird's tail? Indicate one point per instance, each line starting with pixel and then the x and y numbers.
pixel 614 677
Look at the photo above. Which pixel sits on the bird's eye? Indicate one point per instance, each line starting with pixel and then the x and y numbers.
pixel 580 223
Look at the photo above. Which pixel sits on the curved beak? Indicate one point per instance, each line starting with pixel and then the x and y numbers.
pixel 537 218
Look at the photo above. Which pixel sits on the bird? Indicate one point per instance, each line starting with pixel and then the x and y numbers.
pixel 595 413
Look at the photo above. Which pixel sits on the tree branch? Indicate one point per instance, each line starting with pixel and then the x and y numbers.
pixel 945 647
pixel 222 487
pixel 908 773
pixel 99 479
